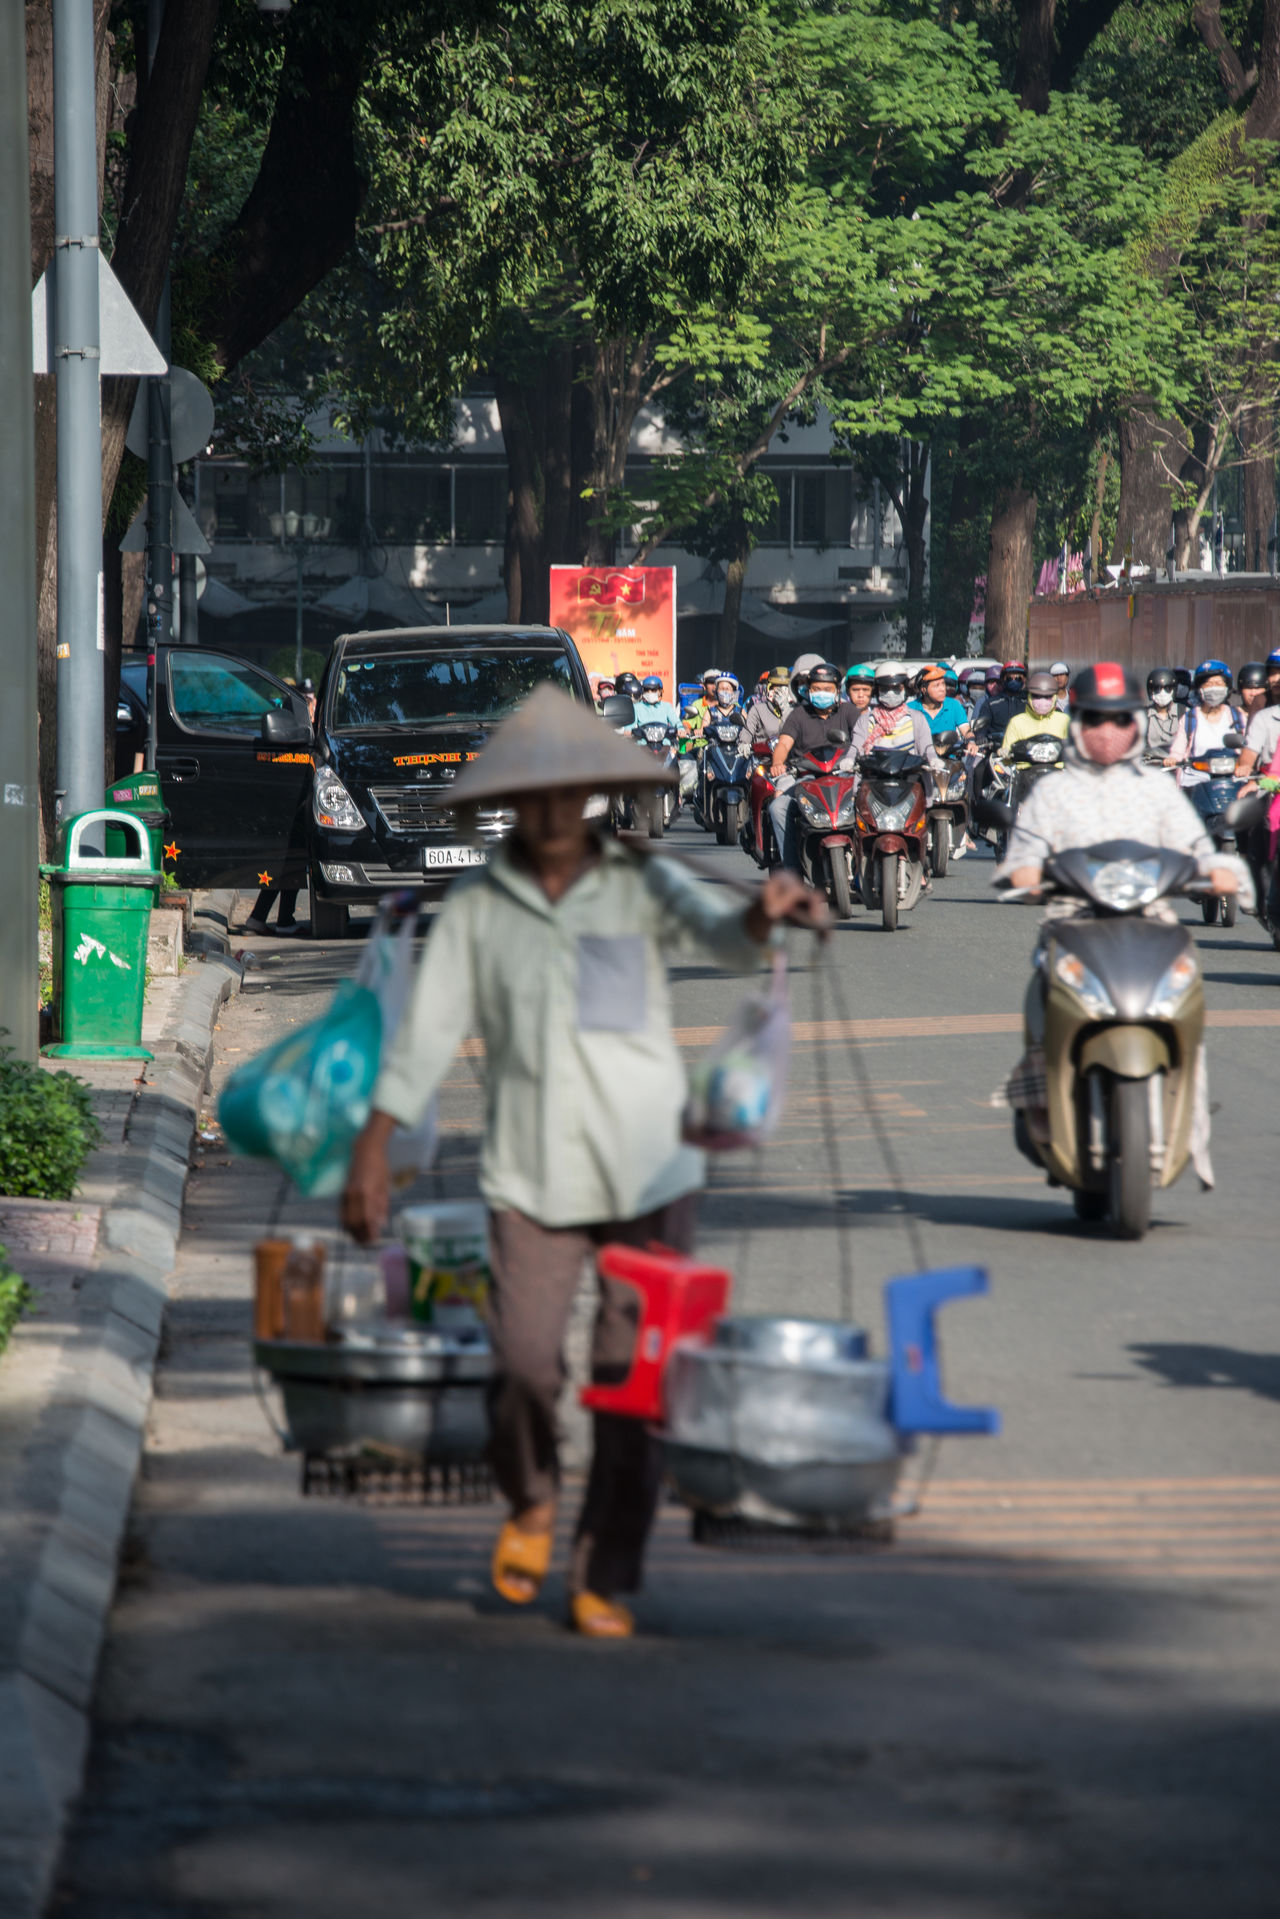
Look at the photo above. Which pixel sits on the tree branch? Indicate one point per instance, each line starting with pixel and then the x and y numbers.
pixel 1207 15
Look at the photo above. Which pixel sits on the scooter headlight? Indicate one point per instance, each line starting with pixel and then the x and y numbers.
pixel 1173 988
pixel 815 814
pixel 1084 983
pixel 893 817
pixel 1125 884
pixel 1044 752
pixel 846 810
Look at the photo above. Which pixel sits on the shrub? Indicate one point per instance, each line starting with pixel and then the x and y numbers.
pixel 47 1130
pixel 15 1295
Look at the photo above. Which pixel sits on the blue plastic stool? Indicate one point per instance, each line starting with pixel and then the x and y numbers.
pixel 916 1400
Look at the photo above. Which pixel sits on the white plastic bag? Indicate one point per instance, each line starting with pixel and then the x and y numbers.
pixel 386 968
pixel 736 1093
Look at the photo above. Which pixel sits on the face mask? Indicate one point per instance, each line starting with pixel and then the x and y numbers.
pixel 822 698
pixel 1212 695
pixel 1042 703
pixel 891 696
pixel 1162 699
pixel 725 696
pixel 651 699
pixel 1106 745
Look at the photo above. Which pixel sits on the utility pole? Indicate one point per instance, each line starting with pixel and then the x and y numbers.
pixel 81 771
pixel 19 846
pixel 159 473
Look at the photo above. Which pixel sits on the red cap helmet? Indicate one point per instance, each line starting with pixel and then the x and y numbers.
pixel 1106 687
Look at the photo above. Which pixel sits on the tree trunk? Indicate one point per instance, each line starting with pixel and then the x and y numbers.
pixel 528 586
pixel 961 552
pixel 914 514
pixel 1010 572
pixel 735 580
pixel 1099 495
pixel 1257 440
pixel 1149 448
pixel 560 531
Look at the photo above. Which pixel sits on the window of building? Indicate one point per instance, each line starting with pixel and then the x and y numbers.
pixel 480 507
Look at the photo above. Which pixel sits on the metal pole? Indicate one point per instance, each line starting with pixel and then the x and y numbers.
pixel 81 770
pixel 159 475
pixel 297 618
pixel 19 779
pixel 188 606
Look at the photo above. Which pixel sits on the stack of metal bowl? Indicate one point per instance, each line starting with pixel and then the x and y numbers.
pixel 406 1389
pixel 783 1422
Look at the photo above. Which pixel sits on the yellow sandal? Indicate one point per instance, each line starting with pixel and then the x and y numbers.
pixel 597 1618
pixel 522 1557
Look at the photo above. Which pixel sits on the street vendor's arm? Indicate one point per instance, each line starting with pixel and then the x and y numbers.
pixel 439 1016
pixel 691 916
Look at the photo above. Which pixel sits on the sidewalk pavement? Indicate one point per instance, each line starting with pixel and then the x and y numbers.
pixel 75 1390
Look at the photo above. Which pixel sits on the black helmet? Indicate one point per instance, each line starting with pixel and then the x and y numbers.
pixel 823 675
pixel 627 683
pixel 1162 679
pixel 1252 673
pixel 1105 688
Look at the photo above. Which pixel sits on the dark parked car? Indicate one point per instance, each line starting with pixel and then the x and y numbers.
pixel 398 715
pixel 233 751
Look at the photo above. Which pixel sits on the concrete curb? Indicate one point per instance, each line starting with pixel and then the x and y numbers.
pixel 88 1472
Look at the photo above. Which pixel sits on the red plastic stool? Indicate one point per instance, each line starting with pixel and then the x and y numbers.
pixel 678 1297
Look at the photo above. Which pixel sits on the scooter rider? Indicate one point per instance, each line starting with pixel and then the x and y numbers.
pixel 1263 734
pixel 819 711
pixel 944 712
pixel 1203 729
pixel 766 711
pixel 1251 688
pixel 651 707
pixel 1009 701
pixel 1162 714
pixel 695 718
pixel 1041 715
pixel 889 721
pixel 1061 679
pixel 1106 793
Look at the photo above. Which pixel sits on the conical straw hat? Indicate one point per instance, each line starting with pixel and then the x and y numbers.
pixel 555 741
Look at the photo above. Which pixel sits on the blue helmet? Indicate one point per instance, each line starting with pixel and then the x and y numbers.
pixel 651 683
pixel 1210 670
pixel 1273 659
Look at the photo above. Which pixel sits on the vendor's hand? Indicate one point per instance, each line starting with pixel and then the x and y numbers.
pixel 784 896
pixel 1025 878
pixel 366 1197
pixel 1223 881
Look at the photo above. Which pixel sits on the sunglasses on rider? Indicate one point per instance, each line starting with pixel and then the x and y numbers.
pixel 1106 719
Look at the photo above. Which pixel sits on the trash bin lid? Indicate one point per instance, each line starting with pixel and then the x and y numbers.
pixel 86 837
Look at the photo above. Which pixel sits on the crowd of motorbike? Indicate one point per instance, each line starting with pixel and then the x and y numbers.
pixel 871 794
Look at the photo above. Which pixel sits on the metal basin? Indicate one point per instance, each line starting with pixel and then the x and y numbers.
pixel 781 1419
pixel 414 1391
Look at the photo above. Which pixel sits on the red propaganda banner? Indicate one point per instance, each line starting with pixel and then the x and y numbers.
pixel 622 619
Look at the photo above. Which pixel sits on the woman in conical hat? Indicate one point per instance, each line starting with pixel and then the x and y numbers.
pixel 555 953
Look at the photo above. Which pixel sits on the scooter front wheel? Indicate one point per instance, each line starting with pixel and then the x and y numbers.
pixel 889 891
pixel 1230 909
pixel 1129 1183
pixel 940 846
pixel 841 892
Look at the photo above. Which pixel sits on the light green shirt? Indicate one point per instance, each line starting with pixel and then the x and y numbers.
pixel 584 1083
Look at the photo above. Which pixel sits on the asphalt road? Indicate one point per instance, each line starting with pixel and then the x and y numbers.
pixel 1055 1693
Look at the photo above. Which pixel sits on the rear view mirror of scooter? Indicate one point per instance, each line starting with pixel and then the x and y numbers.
pixel 1243 815
pixel 992 812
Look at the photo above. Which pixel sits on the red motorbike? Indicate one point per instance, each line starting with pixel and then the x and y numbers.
pixel 893 831
pixel 825 806
pixel 755 836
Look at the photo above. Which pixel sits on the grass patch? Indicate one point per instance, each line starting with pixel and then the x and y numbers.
pixel 15 1297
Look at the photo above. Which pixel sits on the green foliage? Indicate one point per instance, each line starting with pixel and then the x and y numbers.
pixel 47 1129
pixel 15 1297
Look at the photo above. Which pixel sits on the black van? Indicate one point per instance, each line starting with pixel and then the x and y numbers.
pixel 398 715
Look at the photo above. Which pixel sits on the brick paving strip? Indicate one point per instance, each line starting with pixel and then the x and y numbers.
pixel 75 1391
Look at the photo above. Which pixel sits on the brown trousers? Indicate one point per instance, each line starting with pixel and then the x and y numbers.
pixel 536 1270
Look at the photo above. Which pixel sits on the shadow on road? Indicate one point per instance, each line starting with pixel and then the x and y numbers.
pixel 1188 1364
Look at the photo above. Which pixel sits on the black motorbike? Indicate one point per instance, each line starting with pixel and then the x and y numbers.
pixel 722 794
pixel 949 806
pixel 657 810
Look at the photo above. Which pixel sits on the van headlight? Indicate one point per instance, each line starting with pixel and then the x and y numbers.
pixel 333 805
pixel 1084 983
pixel 1173 988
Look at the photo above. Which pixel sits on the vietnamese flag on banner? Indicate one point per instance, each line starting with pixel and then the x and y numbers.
pixel 622 619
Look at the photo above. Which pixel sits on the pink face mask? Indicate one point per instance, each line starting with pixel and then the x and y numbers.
pixel 1042 702
pixel 1107 743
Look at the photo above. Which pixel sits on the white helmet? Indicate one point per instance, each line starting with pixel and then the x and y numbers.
pixel 890 684
pixel 802 668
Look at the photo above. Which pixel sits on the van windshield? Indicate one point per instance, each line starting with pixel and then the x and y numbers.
pixel 422 689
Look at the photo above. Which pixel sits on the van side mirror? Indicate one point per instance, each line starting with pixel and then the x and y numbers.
pixel 282 728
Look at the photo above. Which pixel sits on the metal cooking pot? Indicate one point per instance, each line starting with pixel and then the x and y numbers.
pixel 783 1420
pixel 412 1389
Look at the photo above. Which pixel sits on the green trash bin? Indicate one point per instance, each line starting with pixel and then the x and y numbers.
pixel 101 916
pixel 139 795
